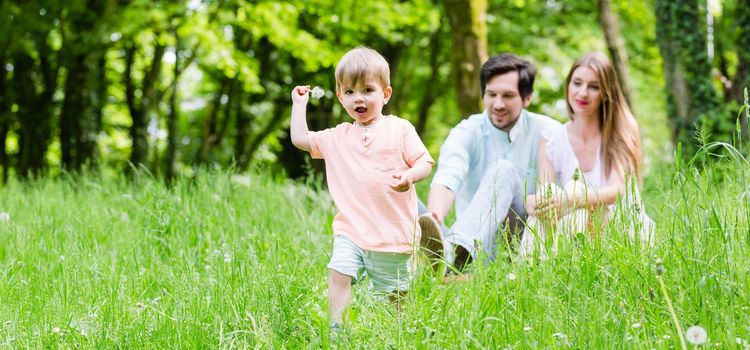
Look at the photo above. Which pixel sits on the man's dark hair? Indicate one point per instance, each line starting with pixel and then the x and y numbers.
pixel 504 63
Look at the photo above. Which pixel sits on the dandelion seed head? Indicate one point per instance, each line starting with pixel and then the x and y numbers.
pixel 696 335
pixel 659 267
pixel 317 93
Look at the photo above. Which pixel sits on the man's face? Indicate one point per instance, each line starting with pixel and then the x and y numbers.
pixel 503 102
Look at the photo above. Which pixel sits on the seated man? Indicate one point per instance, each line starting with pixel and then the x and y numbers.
pixel 487 166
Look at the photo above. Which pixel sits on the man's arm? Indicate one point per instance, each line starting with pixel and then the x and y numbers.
pixel 440 202
pixel 298 127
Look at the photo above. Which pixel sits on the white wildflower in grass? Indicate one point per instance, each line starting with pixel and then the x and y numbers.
pixel 4 216
pixel 56 330
pixel 511 276
pixel 696 335
pixel 527 328
pixel 241 180
pixel 62 258
pixel 317 93
pixel 636 325
pixel 227 258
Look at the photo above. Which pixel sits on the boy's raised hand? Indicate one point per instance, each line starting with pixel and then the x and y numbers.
pixel 403 182
pixel 301 94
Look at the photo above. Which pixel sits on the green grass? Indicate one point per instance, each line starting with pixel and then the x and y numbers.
pixel 224 262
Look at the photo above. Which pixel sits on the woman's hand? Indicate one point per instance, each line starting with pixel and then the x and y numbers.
pixel 551 202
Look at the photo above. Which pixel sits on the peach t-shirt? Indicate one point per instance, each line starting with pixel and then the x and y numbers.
pixel 360 162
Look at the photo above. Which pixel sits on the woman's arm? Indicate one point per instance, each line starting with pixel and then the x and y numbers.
pixel 537 204
pixel 591 199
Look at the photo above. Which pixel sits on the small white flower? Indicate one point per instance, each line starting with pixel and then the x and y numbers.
pixel 511 276
pixel 227 258
pixel 559 335
pixel 241 180
pixel 317 92
pixel 62 258
pixel 696 335
pixel 56 330
pixel 527 328
pixel 4 216
pixel 636 325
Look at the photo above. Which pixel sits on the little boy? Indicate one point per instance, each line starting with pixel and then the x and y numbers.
pixel 371 165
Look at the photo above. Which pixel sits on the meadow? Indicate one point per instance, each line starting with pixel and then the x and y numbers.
pixel 227 261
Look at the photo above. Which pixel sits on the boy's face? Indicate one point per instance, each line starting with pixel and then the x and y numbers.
pixel 364 100
pixel 503 102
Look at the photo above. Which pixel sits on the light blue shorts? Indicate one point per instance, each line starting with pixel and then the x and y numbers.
pixel 389 272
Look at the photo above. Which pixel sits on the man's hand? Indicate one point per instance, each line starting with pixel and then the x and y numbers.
pixel 402 182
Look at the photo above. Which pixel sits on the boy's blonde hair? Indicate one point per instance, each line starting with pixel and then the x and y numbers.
pixel 359 64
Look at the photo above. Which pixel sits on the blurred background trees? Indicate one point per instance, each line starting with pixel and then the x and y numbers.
pixel 171 87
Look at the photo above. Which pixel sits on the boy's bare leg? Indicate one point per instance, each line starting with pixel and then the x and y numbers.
pixel 339 295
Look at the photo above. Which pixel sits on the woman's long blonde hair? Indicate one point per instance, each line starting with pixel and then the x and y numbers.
pixel 621 142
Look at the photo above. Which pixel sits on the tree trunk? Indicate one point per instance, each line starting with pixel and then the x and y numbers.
pixel 691 98
pixel 616 46
pixel 80 117
pixel 469 36
pixel 429 93
pixel 741 80
pixel 144 109
pixel 211 122
pixel 4 119
pixel 34 114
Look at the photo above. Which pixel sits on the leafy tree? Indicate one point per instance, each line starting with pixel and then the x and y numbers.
pixel 692 100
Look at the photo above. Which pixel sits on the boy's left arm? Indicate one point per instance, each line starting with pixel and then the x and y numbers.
pixel 419 158
pixel 419 171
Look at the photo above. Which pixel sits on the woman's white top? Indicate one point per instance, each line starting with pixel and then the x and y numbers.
pixel 564 160
pixel 565 163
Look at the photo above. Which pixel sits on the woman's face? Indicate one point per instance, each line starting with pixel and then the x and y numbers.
pixel 584 92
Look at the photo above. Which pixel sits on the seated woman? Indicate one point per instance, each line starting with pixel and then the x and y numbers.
pixel 588 166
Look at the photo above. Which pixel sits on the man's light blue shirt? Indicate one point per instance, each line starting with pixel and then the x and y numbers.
pixel 475 144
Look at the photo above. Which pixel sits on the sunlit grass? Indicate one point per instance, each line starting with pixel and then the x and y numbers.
pixel 220 261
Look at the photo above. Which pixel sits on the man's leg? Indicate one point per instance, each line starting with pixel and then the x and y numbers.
pixel 500 193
